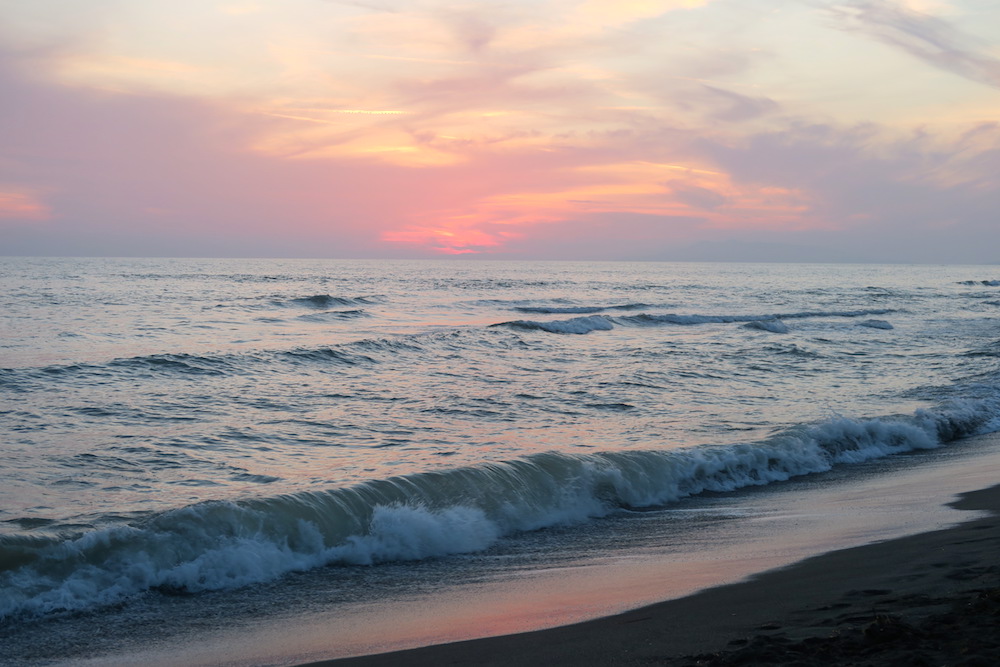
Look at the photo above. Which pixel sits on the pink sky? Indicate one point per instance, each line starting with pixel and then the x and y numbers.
pixel 569 129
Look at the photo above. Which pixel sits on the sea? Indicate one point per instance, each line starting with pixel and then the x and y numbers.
pixel 195 445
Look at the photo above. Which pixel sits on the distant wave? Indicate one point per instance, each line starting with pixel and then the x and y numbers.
pixel 689 320
pixel 876 324
pixel 583 325
pixel 328 315
pixel 988 283
pixel 794 350
pixel 774 326
pixel 188 364
pixel 577 325
pixel 353 353
pixel 560 309
pixel 200 277
pixel 218 545
pixel 326 355
pixel 325 301
pixel 555 310
pixel 180 363
pixel 315 302
pixel 991 349
pixel 375 350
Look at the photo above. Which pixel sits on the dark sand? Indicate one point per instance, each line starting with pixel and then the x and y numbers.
pixel 927 599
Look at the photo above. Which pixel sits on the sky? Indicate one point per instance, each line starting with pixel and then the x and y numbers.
pixel 754 130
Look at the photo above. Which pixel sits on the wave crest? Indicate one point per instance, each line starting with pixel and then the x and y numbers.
pixel 579 310
pixel 584 325
pixel 576 325
pixel 326 301
pixel 774 326
pixel 216 545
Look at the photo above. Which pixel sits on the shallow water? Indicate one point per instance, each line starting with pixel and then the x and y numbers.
pixel 536 580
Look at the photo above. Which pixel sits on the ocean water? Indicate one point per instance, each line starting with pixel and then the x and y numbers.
pixel 178 431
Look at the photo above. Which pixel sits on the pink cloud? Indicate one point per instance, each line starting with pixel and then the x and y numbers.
pixel 20 205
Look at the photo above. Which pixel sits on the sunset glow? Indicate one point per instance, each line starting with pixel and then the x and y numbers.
pixel 22 206
pixel 492 129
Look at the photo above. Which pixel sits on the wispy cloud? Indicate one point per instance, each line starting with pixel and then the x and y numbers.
pixel 735 107
pixel 932 39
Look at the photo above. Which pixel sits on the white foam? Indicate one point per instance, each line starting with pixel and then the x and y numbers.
pixel 584 325
pixel 576 325
pixel 774 326
pixel 688 320
pixel 401 532
pixel 218 545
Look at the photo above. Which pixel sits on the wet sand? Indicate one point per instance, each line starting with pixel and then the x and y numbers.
pixel 931 598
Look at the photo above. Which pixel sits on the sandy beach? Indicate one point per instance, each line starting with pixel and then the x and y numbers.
pixel 931 598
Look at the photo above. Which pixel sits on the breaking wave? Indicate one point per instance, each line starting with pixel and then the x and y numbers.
pixel 325 301
pixel 218 545
pixel 876 324
pixel 691 320
pixel 576 325
pixel 774 326
pixel 583 325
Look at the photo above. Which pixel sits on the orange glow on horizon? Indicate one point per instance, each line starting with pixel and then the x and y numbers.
pixel 659 190
pixel 455 237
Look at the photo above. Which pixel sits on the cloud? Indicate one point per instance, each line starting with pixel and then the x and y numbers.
pixel 370 6
pixel 619 12
pixel 734 107
pixel 20 205
pixel 914 196
pixel 155 174
pixel 928 38
pixel 696 196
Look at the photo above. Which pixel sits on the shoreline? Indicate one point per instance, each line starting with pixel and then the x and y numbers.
pixel 912 598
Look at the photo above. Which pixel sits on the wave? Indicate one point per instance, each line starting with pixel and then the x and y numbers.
pixel 583 325
pixel 689 320
pixel 560 309
pixel 579 310
pixel 353 353
pixel 876 324
pixel 794 350
pixel 774 326
pixel 183 363
pixel 218 545
pixel 576 325
pixel 991 349
pixel 194 364
pixel 326 355
pixel 988 283
pixel 325 301
pixel 234 277
pixel 329 315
